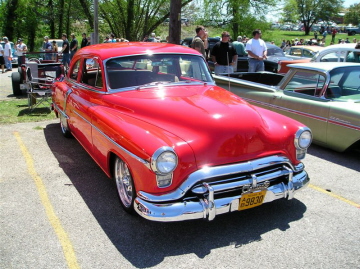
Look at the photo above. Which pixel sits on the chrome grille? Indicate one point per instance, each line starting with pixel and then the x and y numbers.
pixel 236 182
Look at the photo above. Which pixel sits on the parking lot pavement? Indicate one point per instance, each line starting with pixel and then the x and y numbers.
pixel 59 210
pixel 5 85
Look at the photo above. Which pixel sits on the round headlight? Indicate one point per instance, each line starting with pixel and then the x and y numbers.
pixel 164 160
pixel 303 138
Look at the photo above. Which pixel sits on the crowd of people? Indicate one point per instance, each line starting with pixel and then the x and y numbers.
pixel 224 54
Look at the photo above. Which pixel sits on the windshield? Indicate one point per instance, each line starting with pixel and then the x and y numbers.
pixel 133 71
pixel 316 54
pixel 275 52
pixel 345 84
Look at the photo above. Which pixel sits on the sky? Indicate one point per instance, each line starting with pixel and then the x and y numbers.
pixel 348 3
pixel 272 16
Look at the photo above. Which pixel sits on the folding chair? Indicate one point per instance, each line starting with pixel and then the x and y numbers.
pixel 37 86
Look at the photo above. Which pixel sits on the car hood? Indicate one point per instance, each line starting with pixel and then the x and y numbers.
pixel 219 126
pixel 276 59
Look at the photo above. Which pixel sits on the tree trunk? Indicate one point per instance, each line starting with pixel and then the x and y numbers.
pixel 175 22
pixel 129 33
pixel 51 19
pixel 87 12
pixel 61 18
pixel 10 19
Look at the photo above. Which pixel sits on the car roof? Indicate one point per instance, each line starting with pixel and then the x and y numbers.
pixel 270 46
pixel 312 48
pixel 323 66
pixel 118 49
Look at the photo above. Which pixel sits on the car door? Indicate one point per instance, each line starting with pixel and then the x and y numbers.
pixel 302 100
pixel 86 93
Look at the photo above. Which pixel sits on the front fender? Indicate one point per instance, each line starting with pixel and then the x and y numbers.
pixel 135 141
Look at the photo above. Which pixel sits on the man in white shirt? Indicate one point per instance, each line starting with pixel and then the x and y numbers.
pixel 257 52
pixel 20 49
pixel 7 54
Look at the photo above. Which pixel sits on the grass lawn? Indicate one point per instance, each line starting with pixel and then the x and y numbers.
pixel 268 35
pixel 16 110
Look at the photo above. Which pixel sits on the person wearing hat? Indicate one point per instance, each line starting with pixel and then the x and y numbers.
pixel 47 47
pixel 239 47
pixel 7 54
pixel 20 49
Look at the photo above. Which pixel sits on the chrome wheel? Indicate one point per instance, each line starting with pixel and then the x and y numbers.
pixel 64 126
pixel 124 184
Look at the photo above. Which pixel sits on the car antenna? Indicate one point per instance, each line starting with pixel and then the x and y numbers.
pixel 228 62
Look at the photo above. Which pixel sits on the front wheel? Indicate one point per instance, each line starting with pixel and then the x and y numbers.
pixel 124 185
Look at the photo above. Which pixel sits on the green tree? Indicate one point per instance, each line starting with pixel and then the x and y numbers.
pixel 353 15
pixel 311 11
pixel 133 19
pixel 241 16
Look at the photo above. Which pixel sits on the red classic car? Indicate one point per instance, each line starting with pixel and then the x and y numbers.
pixel 178 146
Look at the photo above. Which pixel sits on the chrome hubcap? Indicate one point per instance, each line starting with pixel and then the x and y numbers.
pixel 123 182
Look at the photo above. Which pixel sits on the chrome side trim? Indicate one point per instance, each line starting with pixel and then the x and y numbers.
pixel 208 172
pixel 144 162
pixel 208 208
pixel 60 111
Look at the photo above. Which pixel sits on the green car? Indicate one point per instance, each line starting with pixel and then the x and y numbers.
pixel 323 96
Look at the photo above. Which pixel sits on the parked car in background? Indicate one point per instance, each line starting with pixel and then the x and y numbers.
pixel 333 53
pixel 14 60
pixel 274 53
pixel 324 96
pixel 300 52
pixel 178 146
pixel 353 30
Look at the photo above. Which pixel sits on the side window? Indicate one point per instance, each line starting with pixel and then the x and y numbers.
pixel 74 72
pixel 92 74
pixel 308 54
pixel 193 68
pixel 334 56
pixel 295 52
pixel 308 83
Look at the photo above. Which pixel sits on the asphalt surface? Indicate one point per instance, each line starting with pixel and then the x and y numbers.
pixel 59 210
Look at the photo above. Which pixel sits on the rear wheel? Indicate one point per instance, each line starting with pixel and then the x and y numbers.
pixel 124 185
pixel 16 81
pixel 64 126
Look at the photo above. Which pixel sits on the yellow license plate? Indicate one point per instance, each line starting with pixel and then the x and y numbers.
pixel 250 200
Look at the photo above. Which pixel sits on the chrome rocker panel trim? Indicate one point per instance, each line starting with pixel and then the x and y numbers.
pixel 207 207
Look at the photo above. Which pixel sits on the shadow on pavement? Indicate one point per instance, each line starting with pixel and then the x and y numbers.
pixel 144 243
pixel 349 159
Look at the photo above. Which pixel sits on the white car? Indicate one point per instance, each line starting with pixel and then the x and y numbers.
pixel 333 53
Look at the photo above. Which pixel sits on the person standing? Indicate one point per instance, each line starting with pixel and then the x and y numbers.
pixel 240 47
pixel 73 46
pixel 7 54
pixel 333 34
pixel 20 49
pixel 65 51
pixel 200 41
pixel 2 61
pixel 48 48
pixel 55 50
pixel 224 55
pixel 257 52
pixel 84 41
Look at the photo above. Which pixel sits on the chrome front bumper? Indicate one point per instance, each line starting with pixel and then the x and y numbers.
pixel 207 207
